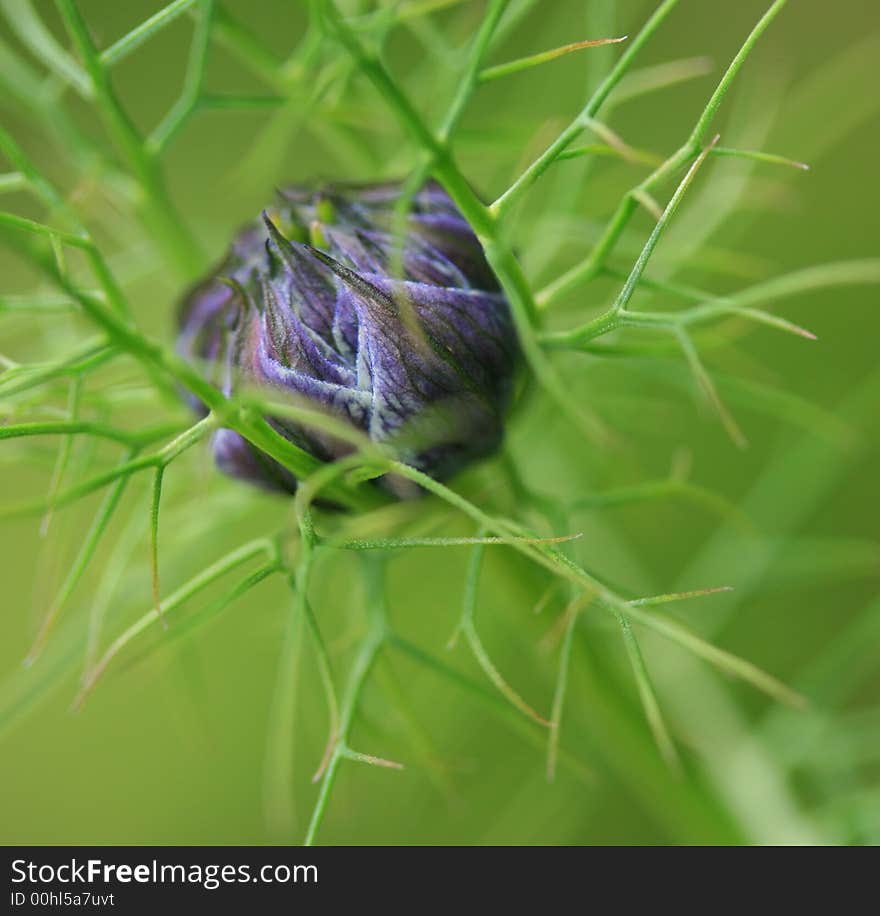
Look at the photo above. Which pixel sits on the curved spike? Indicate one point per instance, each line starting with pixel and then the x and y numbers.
pixel 349 277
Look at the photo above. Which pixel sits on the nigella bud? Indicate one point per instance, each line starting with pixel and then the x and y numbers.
pixel 394 324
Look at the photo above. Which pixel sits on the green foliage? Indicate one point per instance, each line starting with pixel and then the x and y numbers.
pixel 109 383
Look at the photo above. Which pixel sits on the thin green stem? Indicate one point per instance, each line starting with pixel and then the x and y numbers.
pixel 543 57
pixel 612 318
pixel 188 100
pixel 467 627
pixel 248 47
pixel 363 664
pixel 36 37
pixel 558 563
pixel 84 557
pixel 280 746
pixel 178 244
pixel 647 694
pixel 143 32
pixel 472 75
pixel 58 472
pixel 124 470
pixel 561 689
pixel 534 171
pixel 704 123
pixel 154 535
pixel 593 265
pixel 140 438
pixel 198 583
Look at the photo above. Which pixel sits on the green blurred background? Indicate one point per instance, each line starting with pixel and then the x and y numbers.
pixel 171 747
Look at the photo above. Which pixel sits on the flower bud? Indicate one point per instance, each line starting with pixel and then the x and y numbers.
pixel 391 322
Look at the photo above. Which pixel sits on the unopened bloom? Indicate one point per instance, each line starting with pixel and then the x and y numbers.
pixel 398 327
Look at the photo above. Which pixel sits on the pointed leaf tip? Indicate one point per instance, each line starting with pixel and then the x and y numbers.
pixel 290 251
pixel 350 277
pixel 275 233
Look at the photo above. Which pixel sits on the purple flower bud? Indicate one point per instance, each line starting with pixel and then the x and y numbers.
pixel 404 335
